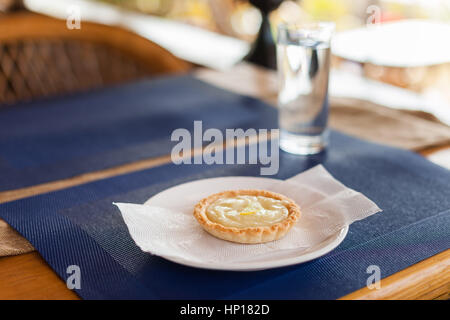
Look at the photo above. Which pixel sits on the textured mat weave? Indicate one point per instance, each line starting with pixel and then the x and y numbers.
pixel 53 139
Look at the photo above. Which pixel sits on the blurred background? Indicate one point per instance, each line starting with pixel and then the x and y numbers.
pixel 392 52
pixel 241 19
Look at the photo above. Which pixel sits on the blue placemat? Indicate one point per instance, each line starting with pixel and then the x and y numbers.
pixel 58 138
pixel 80 226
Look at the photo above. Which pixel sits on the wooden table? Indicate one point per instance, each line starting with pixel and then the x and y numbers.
pixel 28 276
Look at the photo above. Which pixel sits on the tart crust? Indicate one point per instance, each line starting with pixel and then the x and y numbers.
pixel 249 234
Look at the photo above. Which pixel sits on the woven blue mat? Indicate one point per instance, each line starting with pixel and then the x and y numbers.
pixel 80 226
pixel 53 139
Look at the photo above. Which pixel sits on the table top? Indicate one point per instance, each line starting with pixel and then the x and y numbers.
pixel 28 276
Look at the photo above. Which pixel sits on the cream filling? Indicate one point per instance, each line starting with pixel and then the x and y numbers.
pixel 247 211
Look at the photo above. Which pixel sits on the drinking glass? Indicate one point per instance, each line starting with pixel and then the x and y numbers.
pixel 303 63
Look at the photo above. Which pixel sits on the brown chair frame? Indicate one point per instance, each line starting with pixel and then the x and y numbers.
pixel 150 57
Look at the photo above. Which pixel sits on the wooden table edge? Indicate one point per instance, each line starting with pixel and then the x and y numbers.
pixel 427 279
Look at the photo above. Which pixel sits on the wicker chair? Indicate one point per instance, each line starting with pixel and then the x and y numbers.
pixel 40 56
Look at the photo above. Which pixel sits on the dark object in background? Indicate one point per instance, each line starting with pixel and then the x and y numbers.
pixel 263 52
pixel 7 6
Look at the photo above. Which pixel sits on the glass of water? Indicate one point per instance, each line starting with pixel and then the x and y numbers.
pixel 303 62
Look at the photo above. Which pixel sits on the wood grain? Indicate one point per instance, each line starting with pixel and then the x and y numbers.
pixel 11 195
pixel 29 277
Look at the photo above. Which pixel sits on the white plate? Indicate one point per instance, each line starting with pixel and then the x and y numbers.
pixel 188 194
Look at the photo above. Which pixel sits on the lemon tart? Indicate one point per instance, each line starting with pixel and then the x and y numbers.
pixel 247 216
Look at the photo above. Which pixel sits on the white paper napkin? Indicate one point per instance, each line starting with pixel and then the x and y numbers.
pixel 327 207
